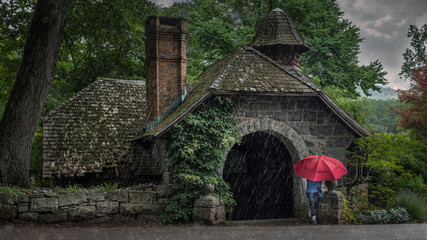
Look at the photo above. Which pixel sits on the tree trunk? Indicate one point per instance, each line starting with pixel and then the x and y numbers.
pixel 30 90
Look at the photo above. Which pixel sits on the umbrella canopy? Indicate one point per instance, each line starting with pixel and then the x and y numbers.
pixel 319 168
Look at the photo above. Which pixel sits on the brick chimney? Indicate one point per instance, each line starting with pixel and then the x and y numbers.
pixel 165 66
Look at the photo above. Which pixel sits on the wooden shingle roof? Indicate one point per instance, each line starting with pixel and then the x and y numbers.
pixel 277 28
pixel 93 129
pixel 248 71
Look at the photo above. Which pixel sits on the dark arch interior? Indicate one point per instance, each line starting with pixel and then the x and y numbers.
pixel 259 171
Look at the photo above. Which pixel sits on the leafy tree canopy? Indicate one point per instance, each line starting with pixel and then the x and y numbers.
pixel 218 27
pixel 414 56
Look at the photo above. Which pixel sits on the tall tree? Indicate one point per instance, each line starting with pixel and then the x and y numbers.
pixel 414 56
pixel 30 90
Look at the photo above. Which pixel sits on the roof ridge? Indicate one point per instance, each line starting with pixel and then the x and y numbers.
pixel 279 66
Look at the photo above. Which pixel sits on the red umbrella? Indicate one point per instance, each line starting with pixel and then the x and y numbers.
pixel 319 168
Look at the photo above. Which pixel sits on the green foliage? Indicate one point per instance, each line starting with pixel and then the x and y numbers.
pixel 13 191
pixel 349 215
pixel 413 203
pixel 414 56
pixel 68 189
pixel 196 152
pixel 398 215
pixel 389 163
pixel 105 187
pixel 219 27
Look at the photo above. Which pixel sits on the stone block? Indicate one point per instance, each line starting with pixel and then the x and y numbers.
pixel 107 207
pixel 78 213
pixel 53 218
pixel 299 127
pixel 281 116
pixel 288 105
pixel 95 196
pixel 50 194
pixel 204 214
pixel 320 130
pixel 140 209
pixel 44 205
pixel 142 197
pixel 8 212
pixel 207 202
pixel 163 190
pixel 5 198
pixel 309 116
pixel 118 196
pixel 36 195
pixel 28 216
pixel 23 207
pixel 295 116
pixel 70 199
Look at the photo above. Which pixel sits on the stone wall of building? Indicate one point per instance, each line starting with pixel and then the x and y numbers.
pixel 84 207
pixel 305 125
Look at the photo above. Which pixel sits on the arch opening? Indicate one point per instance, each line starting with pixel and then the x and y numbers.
pixel 259 172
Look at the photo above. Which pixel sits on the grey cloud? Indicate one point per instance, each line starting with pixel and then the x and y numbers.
pixel 384 25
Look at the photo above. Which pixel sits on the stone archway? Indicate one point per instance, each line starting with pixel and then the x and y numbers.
pixel 259 171
pixel 296 148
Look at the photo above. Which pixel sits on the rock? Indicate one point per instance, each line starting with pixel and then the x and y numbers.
pixel 28 216
pixel 43 205
pixel 71 199
pixel 96 196
pixel 140 209
pixel 78 213
pixel 53 218
pixel 8 212
pixel 117 196
pixel 142 197
pixel 107 207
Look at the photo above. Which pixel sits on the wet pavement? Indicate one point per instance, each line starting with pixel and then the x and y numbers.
pixel 235 230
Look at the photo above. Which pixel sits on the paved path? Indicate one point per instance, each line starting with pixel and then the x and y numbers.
pixel 242 231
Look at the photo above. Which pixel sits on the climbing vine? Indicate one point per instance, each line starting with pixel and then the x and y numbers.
pixel 196 153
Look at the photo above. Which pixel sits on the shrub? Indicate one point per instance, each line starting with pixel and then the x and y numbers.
pixel 399 215
pixel 108 187
pixel 349 215
pixel 413 203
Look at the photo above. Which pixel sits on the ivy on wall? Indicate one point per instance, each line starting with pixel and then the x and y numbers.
pixel 196 152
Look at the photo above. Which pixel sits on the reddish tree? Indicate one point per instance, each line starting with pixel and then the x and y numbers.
pixel 414 108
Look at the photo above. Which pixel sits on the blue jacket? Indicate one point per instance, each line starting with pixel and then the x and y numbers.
pixel 314 186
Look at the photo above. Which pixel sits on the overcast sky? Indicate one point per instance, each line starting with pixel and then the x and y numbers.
pixel 383 25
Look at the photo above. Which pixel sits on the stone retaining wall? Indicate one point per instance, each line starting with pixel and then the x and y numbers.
pixel 86 206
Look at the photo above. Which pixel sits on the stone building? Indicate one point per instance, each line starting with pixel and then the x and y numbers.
pixel 281 114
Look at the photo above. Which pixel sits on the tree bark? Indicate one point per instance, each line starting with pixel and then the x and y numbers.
pixel 23 110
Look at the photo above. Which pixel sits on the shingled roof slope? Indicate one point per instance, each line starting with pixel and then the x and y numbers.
pixel 277 28
pixel 244 71
pixel 93 129
pixel 249 71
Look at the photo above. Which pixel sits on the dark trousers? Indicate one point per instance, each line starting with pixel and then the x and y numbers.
pixel 314 201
